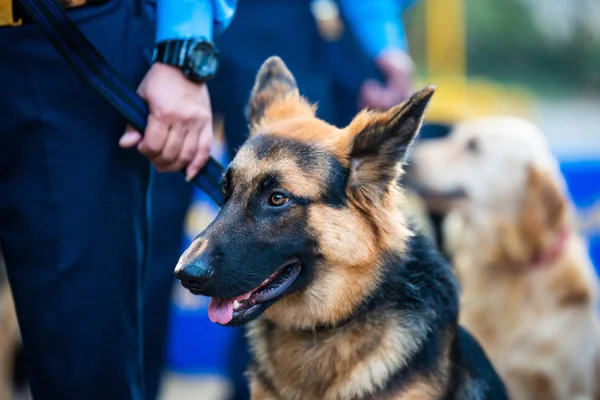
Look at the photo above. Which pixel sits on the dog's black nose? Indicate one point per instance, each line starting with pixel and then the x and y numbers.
pixel 194 275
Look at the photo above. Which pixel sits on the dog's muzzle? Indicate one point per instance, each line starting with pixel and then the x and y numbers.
pixel 194 276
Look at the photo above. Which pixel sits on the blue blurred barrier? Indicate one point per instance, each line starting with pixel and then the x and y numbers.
pixel 196 345
pixel 583 181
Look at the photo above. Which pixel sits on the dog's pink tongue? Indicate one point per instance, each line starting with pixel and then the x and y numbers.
pixel 220 311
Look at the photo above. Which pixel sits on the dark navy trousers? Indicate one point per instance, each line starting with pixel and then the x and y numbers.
pixel 73 220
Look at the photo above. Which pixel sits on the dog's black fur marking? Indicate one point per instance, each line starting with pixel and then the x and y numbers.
pixel 473 359
pixel 335 187
pixel 264 380
pixel 226 184
pixel 422 284
pixel 309 159
pixel 305 155
pixel 418 284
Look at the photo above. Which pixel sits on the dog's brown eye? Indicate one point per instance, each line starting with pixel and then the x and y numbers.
pixel 278 199
pixel 473 145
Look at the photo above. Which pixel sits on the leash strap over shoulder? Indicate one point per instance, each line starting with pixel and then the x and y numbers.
pixel 89 64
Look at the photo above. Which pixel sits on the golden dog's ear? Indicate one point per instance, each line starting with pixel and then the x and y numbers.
pixel 381 144
pixel 540 220
pixel 275 95
pixel 543 210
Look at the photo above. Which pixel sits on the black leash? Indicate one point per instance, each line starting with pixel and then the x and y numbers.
pixel 89 64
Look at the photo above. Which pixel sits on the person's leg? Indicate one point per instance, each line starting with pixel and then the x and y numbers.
pixel 72 212
pixel 170 197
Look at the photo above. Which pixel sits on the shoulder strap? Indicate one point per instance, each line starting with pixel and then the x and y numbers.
pixel 89 64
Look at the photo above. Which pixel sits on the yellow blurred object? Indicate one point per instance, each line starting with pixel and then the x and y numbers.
pixel 6 14
pixel 457 97
pixel 445 37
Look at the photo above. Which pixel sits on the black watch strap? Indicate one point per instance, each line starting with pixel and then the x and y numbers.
pixel 172 52
pixel 197 58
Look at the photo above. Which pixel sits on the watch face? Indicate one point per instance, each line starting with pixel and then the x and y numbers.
pixel 203 61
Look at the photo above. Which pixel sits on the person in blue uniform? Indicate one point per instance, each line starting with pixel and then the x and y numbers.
pixel 73 183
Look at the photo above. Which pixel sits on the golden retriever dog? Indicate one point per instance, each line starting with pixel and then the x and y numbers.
pixel 529 291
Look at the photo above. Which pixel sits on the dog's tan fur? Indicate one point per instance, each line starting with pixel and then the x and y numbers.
pixel 536 318
pixel 338 366
pixel 353 303
pixel 350 241
pixel 294 360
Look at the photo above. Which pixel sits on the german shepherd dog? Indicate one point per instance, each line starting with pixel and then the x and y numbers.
pixel 342 300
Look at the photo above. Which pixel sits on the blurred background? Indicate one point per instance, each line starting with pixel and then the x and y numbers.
pixel 535 58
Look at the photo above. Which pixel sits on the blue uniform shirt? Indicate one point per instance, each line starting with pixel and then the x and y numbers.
pixel 377 23
pixel 181 19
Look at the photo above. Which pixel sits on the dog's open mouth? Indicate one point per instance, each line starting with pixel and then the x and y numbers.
pixel 242 308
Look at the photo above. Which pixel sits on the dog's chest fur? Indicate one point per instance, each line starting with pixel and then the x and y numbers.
pixel 399 349
pixel 351 363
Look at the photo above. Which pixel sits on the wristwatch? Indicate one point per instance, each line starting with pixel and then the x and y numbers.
pixel 198 59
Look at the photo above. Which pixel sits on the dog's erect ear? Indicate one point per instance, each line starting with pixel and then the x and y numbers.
pixel 381 145
pixel 275 94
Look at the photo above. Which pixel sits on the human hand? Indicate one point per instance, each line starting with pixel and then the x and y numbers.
pixel 397 67
pixel 179 131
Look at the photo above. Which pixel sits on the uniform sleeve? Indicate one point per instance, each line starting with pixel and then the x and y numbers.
pixel 377 24
pixel 182 19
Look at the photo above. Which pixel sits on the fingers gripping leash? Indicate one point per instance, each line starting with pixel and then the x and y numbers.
pixel 89 64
